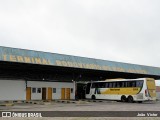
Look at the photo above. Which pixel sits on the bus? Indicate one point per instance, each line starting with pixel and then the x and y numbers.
pixel 125 90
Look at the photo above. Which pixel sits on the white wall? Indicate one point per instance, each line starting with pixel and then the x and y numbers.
pixel 12 90
pixel 158 95
pixel 57 85
pixel 16 89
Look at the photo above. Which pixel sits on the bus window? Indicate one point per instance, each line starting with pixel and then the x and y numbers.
pixel 133 83
pixel 126 84
pixel 93 85
pixel 110 85
pixel 113 85
pixel 129 84
pixel 97 85
pixel 101 85
pixel 107 85
pixel 123 84
pixel 119 84
pixel 139 83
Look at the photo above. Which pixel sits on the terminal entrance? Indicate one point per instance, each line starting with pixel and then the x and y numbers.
pixel 81 90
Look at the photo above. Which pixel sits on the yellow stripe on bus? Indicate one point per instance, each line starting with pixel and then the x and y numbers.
pixel 121 91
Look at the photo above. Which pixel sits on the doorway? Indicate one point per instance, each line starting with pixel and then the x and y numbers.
pixel 68 92
pixel 43 93
pixel 65 93
pixel 62 93
pixel 28 93
pixel 49 93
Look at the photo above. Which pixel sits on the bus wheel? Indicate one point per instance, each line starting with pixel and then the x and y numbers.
pixel 123 98
pixel 130 99
pixel 139 101
pixel 93 97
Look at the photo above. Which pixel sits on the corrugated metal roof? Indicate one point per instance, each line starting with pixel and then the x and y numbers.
pixel 53 59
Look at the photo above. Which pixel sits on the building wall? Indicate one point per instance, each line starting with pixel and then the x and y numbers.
pixel 158 92
pixel 16 89
pixel 57 85
pixel 12 90
pixel 158 95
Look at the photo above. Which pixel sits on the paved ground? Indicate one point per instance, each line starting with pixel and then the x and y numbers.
pixel 85 106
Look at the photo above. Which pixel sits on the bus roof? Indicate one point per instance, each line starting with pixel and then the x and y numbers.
pixel 110 80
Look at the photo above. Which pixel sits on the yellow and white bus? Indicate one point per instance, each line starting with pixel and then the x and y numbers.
pixel 141 89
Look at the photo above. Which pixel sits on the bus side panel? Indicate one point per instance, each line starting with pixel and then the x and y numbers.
pixel 121 91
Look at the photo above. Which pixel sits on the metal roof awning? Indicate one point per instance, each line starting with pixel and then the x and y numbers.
pixel 29 59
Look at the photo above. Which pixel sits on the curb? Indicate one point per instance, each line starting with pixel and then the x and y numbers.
pixel 19 101
pixel 98 101
pixel 7 104
pixel 31 102
pixel 64 101
pixel 94 100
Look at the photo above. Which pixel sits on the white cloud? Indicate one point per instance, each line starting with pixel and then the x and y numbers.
pixel 117 30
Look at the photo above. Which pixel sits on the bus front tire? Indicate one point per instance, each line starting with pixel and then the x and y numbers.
pixel 123 98
pixel 93 97
pixel 130 99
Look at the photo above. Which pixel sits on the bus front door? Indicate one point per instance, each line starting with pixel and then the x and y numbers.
pixel 88 88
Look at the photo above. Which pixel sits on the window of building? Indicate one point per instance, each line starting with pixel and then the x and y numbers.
pixel 38 90
pixel 54 90
pixel 33 90
pixel 71 90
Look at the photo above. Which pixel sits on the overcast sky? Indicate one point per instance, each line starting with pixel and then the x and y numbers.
pixel 117 30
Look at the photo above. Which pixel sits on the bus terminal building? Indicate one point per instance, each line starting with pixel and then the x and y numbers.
pixel 35 75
